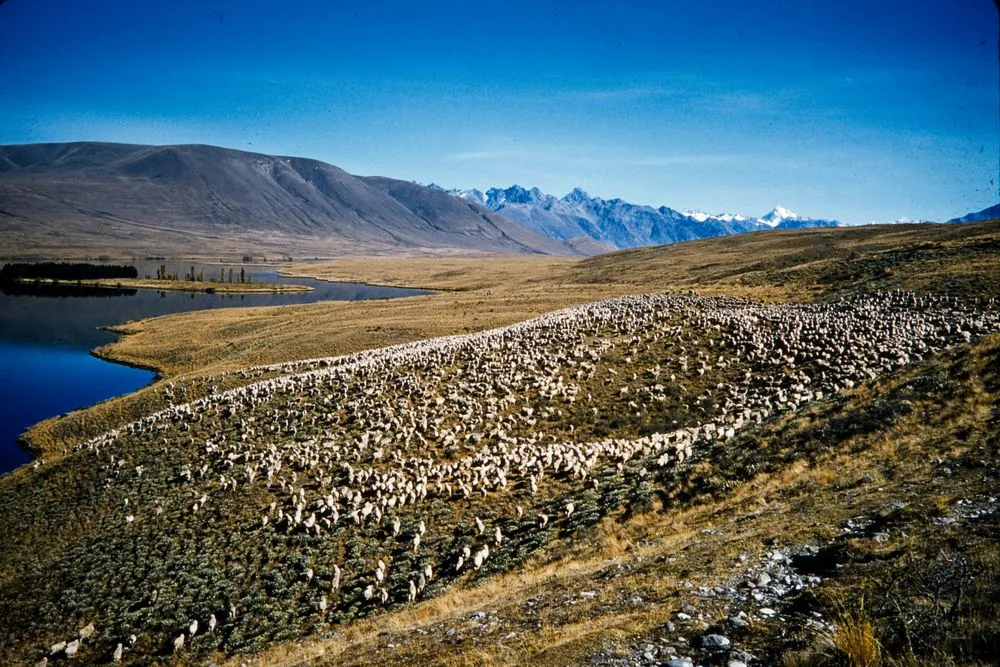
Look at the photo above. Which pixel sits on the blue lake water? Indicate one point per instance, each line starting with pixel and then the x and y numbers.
pixel 46 368
pixel 38 381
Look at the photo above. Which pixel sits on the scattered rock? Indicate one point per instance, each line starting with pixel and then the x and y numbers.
pixel 679 662
pixel 715 642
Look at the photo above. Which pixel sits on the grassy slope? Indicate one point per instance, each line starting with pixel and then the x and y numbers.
pixel 482 293
pixel 794 500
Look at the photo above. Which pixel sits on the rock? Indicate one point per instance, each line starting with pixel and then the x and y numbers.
pixel 683 618
pixel 738 622
pixel 57 648
pixel 764 579
pixel 742 656
pixel 715 642
pixel 767 611
pixel 736 663
pixel 679 662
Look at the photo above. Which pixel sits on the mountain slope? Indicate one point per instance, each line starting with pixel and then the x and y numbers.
pixel 619 223
pixel 988 213
pixel 121 198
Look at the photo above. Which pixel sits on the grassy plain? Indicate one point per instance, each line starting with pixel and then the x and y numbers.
pixel 900 452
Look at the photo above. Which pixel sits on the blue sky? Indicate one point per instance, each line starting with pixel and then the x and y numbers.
pixel 851 109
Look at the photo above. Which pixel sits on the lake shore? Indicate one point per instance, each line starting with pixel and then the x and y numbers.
pixel 477 293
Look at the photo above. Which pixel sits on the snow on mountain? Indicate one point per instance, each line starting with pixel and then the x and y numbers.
pixel 701 216
pixel 621 224
pixel 778 215
pixel 902 221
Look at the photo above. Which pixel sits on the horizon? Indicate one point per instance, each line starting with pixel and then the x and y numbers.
pixel 850 112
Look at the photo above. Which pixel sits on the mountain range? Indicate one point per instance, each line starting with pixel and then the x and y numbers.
pixel 618 223
pixel 129 200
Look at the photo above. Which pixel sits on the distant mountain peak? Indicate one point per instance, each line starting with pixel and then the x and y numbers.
pixel 577 196
pixel 779 214
pixel 515 194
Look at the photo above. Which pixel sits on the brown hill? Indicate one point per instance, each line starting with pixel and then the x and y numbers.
pixel 122 199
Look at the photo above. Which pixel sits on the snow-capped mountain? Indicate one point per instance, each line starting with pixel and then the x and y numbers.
pixel 621 224
pixel 778 215
pixel 902 221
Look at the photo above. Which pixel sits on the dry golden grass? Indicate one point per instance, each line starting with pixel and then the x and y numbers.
pixel 857 640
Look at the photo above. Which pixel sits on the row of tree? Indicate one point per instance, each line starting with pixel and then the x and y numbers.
pixel 199 276
pixel 12 273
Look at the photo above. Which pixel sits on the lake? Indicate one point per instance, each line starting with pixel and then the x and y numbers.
pixel 46 368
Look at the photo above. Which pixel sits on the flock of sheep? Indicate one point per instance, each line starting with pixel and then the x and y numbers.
pixel 485 421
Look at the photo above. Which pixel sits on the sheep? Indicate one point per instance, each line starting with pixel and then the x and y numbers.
pixel 72 647
pixel 762 360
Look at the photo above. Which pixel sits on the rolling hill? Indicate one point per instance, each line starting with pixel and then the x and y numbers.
pixel 122 199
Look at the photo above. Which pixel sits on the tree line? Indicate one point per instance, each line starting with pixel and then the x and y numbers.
pixel 11 273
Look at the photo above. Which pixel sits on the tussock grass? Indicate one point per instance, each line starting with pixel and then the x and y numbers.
pixel 857 639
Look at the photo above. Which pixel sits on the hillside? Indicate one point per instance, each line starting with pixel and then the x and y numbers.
pixel 782 468
pixel 988 213
pixel 126 200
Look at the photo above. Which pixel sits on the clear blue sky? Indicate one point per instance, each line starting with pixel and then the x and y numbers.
pixel 854 109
